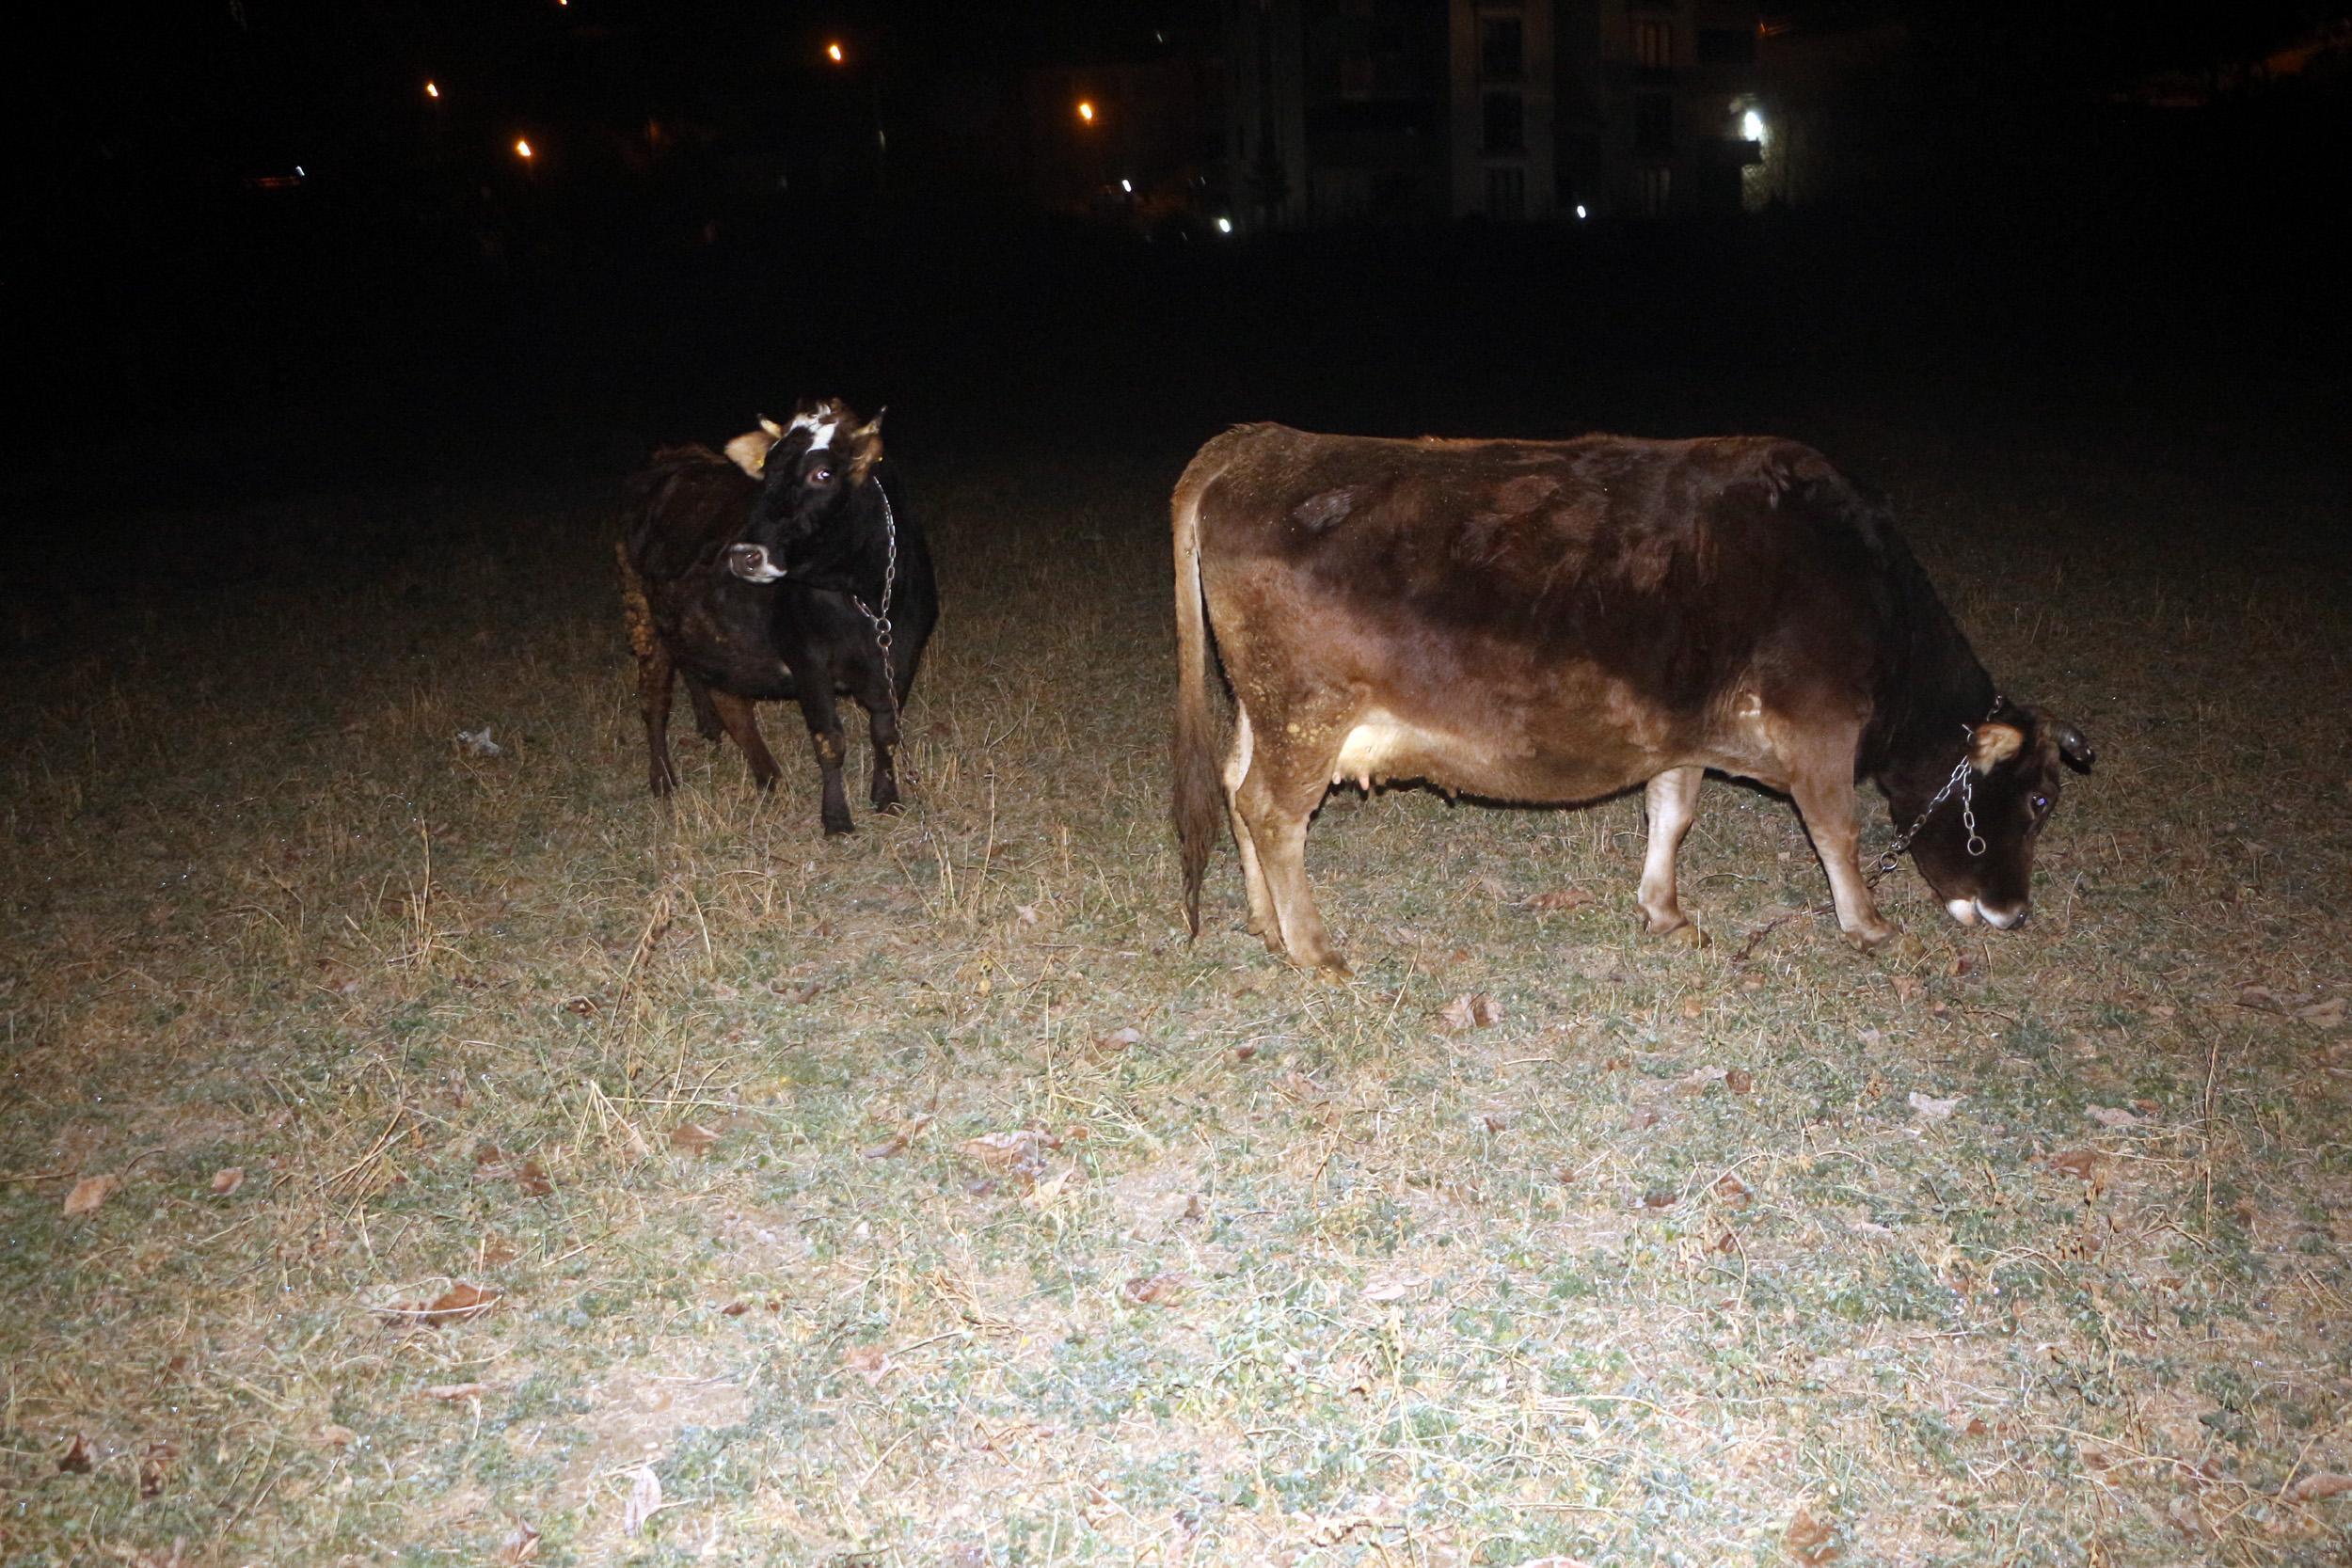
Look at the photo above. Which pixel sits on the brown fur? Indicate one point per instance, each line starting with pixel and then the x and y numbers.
pixel 1556 621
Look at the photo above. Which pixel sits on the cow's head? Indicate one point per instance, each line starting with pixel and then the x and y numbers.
pixel 2007 783
pixel 809 470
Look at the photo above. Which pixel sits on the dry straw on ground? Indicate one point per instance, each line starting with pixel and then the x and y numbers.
pixel 421 1155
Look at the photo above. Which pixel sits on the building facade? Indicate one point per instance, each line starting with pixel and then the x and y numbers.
pixel 1509 110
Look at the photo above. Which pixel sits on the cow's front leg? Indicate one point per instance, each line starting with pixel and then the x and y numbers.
pixel 1672 801
pixel 1825 799
pixel 824 737
pixel 882 727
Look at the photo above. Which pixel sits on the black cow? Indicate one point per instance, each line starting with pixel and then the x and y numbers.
pixel 1558 621
pixel 788 569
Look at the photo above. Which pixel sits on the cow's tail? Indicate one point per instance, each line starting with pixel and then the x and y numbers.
pixel 1198 790
pixel 636 612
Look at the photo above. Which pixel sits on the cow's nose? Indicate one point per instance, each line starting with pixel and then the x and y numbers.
pixel 751 564
pixel 1962 910
pixel 2002 919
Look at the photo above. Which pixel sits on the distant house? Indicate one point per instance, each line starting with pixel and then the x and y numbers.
pixel 1512 110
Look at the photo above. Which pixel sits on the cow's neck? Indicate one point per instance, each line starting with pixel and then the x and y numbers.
pixel 1936 694
pixel 850 554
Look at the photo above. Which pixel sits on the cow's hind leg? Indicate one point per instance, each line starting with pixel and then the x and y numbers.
pixel 1262 921
pixel 655 673
pixel 1822 786
pixel 1274 802
pixel 706 717
pixel 734 713
pixel 1672 801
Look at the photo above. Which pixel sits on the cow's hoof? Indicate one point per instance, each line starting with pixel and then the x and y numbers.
pixel 892 807
pixel 1688 934
pixel 1872 941
pixel 1334 970
pixel 839 829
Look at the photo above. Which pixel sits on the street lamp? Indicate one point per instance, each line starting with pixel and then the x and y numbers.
pixel 1086 110
pixel 432 89
pixel 832 53
pixel 522 148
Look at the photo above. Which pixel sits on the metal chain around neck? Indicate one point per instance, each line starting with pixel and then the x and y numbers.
pixel 1962 778
pixel 880 621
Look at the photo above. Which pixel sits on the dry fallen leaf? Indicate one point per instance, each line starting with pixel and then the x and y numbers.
pixel 1158 1289
pixel 692 1137
pixel 519 1547
pixel 337 1436
pixel 1739 1080
pixel 1735 1193
pixel 905 1133
pixel 1118 1039
pixel 1560 898
pixel 454 1391
pixel 155 1467
pixel 1933 1109
pixel 457 1304
pixel 1024 1145
pixel 2083 1162
pixel 1809 1540
pixel 1470 1010
pixel 1701 1080
pixel 2111 1116
pixel 2326 1015
pixel 227 1179
pixel 2320 1484
pixel 77 1459
pixel 870 1362
pixel 645 1500
pixel 89 1192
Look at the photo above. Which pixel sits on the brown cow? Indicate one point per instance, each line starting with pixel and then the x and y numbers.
pixel 1558 621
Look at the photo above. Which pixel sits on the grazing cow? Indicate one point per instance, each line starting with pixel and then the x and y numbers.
pixel 788 568
pixel 1559 621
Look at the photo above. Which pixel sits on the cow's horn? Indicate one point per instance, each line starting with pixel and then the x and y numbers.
pixel 2072 746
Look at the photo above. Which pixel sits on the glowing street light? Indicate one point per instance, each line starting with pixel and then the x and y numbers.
pixel 522 149
pixel 432 89
pixel 1752 126
pixel 832 53
pixel 1086 110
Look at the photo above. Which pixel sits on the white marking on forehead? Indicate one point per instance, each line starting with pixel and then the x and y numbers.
pixel 820 426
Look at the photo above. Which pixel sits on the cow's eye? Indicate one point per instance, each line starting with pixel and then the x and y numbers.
pixel 820 475
pixel 2041 805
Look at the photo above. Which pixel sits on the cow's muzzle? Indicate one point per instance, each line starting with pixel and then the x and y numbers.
pixel 751 564
pixel 1969 911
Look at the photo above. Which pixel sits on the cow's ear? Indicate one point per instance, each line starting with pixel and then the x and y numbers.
pixel 862 448
pixel 749 449
pixel 1991 743
pixel 775 431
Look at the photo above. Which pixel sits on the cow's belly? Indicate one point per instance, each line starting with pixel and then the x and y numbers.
pixel 1552 758
pixel 1507 764
pixel 726 647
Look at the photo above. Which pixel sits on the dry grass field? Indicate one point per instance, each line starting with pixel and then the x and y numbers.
pixel 416 1156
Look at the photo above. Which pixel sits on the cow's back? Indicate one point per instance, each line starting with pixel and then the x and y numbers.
pixel 684 508
pixel 1667 569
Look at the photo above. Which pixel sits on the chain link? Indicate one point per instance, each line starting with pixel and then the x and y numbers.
pixel 1963 779
pixel 881 623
